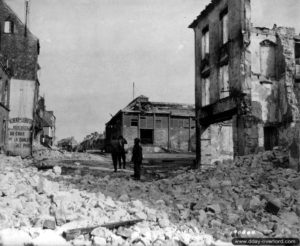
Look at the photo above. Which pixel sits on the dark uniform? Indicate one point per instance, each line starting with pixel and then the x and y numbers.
pixel 137 158
pixel 122 154
pixel 114 152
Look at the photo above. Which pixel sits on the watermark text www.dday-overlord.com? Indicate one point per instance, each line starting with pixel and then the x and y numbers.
pixel 266 241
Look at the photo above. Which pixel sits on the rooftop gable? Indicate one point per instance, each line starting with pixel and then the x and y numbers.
pixel 14 17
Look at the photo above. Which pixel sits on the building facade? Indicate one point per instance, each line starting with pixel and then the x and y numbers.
pixel 247 78
pixel 19 50
pixel 168 125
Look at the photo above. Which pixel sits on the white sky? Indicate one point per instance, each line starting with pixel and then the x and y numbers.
pixel 93 50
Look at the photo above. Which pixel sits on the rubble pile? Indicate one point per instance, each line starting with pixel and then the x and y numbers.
pixel 37 207
pixel 251 196
pixel 41 152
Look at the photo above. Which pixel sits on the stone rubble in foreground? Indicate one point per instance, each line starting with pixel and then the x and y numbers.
pixel 251 197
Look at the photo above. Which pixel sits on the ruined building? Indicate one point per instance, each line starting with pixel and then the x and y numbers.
pixel 247 84
pixel 44 127
pixel 168 125
pixel 19 50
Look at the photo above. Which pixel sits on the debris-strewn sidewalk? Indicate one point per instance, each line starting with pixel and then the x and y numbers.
pixel 247 197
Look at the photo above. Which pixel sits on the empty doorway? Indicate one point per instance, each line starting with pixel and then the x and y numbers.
pixel 270 137
pixel 146 136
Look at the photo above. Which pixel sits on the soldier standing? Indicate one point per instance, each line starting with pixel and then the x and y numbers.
pixel 114 152
pixel 137 158
pixel 122 154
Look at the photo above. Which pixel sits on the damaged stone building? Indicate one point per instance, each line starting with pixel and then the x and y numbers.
pixel 167 125
pixel 247 84
pixel 19 50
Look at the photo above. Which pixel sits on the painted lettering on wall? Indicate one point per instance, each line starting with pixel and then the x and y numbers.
pixel 20 132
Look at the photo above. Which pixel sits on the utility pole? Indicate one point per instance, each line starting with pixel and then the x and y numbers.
pixel 133 90
pixel 26 16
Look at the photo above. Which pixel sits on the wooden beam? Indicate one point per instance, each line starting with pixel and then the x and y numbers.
pixel 71 234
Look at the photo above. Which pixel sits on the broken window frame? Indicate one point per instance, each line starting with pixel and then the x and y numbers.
pixel 205 43
pixel 134 122
pixel 224 81
pixel 224 26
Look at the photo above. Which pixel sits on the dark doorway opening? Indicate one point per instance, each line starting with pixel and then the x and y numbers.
pixel 270 137
pixel 146 136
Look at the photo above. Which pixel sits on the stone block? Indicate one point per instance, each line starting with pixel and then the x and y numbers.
pixel 163 222
pixel 99 241
pixel 141 215
pixel 57 170
pixel 49 224
pixel 202 217
pixel 296 183
pixel 233 218
pixel 124 232
pixel 254 203
pixel 101 232
pixel 273 206
pixel 60 216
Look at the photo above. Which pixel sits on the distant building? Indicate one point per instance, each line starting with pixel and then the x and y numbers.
pixel 68 144
pixel 19 50
pixel 49 128
pixel 94 141
pixel 247 84
pixel 44 131
pixel 168 125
